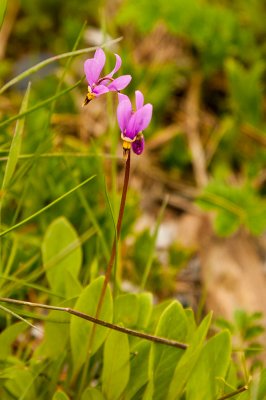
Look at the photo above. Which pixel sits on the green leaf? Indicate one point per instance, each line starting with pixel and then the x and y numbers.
pixel 187 363
pixel 8 336
pixel 19 382
pixel 172 324
pixel 80 330
pixel 115 365
pixel 16 143
pixel 262 385
pixel 3 5
pixel 62 257
pixel 60 396
pixel 145 310
pixel 138 368
pixel 92 394
pixel 211 367
pixel 126 310
pixel 56 333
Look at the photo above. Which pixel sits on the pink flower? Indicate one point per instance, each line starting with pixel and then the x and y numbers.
pixel 132 123
pixel 97 86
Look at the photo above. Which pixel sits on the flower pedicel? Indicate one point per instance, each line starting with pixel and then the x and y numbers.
pixel 96 85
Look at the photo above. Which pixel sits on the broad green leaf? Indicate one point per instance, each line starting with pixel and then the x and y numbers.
pixel 80 329
pixel 20 382
pixel 16 143
pixel 138 368
pixel 116 367
pixel 56 333
pixel 188 361
pixel 3 5
pixel 60 396
pixel 192 326
pixel 210 369
pixel 8 336
pixel 262 385
pixel 62 257
pixel 157 311
pixel 172 324
pixel 126 309
pixel 92 394
pixel 145 309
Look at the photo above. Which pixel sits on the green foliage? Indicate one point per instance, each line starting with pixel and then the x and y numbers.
pixel 234 206
pixel 184 368
pixel 3 6
pixel 204 382
pixel 62 258
pixel 16 143
pixel 60 396
pixel 115 373
pixel 92 394
pixel 245 88
pixel 80 333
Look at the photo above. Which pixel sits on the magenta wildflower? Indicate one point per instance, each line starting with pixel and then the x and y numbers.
pixel 132 123
pixel 97 86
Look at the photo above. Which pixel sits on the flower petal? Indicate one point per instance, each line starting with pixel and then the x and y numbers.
pixel 139 121
pixel 119 83
pixel 138 145
pixel 122 97
pixel 139 99
pixel 93 66
pixel 117 66
pixel 124 111
pixel 100 89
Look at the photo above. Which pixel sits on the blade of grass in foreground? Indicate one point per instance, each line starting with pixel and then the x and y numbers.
pixel 50 60
pixel 3 5
pixel 16 143
pixel 24 221
pixel 8 311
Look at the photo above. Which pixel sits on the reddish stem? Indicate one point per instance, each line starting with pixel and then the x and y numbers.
pixel 116 238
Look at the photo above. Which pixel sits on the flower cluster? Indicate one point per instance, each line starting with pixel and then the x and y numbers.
pixel 131 122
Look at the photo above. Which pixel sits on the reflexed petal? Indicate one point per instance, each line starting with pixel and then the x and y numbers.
pixel 99 56
pixel 119 83
pixel 93 66
pixel 139 121
pixel 117 66
pixel 139 99
pixel 138 145
pixel 124 111
pixel 100 89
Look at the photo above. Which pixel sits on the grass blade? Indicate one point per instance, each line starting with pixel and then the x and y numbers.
pixel 3 5
pixel 16 143
pixel 8 311
pixel 50 60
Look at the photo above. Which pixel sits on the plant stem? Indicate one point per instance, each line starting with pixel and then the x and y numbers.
pixel 152 338
pixel 236 392
pixel 108 269
pixel 116 238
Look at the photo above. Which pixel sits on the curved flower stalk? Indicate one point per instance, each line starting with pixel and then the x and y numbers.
pixel 132 123
pixel 96 85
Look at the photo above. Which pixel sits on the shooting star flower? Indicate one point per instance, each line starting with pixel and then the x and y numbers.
pixel 96 85
pixel 132 123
